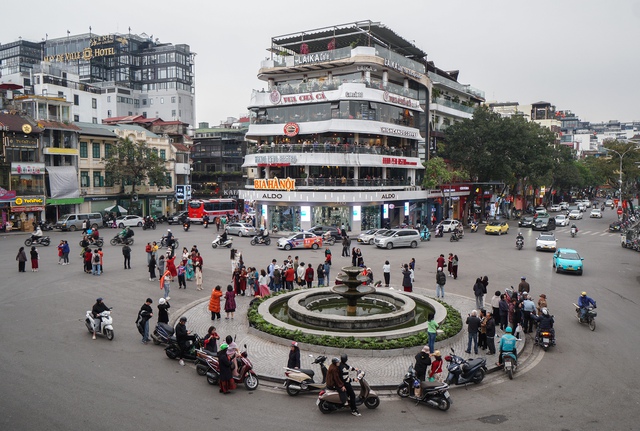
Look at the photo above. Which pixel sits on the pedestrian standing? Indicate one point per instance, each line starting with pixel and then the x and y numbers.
pixel 211 340
pixel 477 292
pixel 450 264
pixel 289 278
pixel 482 333
pixel 21 257
pixel 217 224
pixel 345 246
pixel 320 274
pixel 181 270
pixel 524 285
pixel 126 253
pixel 152 268
pixel 95 267
pixel 386 272
pixel 412 264
pixel 302 270
pixel 145 314
pixel 214 302
pixel 327 272
pixel 35 256
pixel 163 311
pixel 308 276
pixel 491 333
pixel 88 256
pixel 454 266
pixel 60 253
pixel 84 227
pixel 435 372
pixel 327 254
pixel 354 256
pixel 360 261
pixel 528 308
pixel 160 263
pixel 423 361
pixel 440 261
pixel 65 253
pixel 485 284
pixel 230 301
pixel 198 276
pixel 441 280
pixel 504 311
pixel 101 254
pixel 263 284
pixel 406 279
pixel 226 376
pixel 294 356
pixel 542 303
pixel 165 284
pixel 432 331
pixel 473 325
pixel 277 279
pixel 495 305
pixel 149 250
pixel 171 265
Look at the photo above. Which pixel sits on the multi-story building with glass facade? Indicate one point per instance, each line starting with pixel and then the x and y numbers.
pixel 340 131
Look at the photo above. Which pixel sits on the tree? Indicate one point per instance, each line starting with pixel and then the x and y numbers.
pixel 623 155
pixel 437 173
pixel 134 163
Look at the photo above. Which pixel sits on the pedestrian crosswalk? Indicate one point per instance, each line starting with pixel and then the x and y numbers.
pixel 588 232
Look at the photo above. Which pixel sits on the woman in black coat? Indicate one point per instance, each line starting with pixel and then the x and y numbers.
pixel 406 279
pixel 423 360
pixel 294 356
pixel 226 374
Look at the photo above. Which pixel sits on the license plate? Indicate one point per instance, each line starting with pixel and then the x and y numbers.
pixel 446 394
pixel 318 402
pixel 545 340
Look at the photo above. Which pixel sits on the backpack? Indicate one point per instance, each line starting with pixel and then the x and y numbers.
pixel 96 258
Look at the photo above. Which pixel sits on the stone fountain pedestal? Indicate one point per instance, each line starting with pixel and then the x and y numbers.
pixel 352 288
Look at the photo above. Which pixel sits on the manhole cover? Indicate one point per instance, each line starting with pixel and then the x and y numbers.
pixel 493 419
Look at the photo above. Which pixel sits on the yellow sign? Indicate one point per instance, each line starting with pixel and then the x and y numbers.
pixel 287 184
pixel 66 151
pixel 26 128
pixel 86 55
pixel 32 200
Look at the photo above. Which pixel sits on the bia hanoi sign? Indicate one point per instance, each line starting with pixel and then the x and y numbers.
pixel 287 184
pixel 86 55
pixel 291 129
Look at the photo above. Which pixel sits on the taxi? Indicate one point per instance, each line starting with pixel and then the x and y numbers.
pixel 300 240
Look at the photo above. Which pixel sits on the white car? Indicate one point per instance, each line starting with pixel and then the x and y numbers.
pixel 555 208
pixel 129 220
pixel 564 205
pixel 595 213
pixel 546 241
pixel 575 215
pixel 562 220
pixel 581 206
pixel 609 203
pixel 448 225
pixel 368 237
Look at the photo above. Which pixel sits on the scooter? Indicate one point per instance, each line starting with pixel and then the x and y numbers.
pixel 545 338
pixel 206 361
pixel 162 334
pixel 328 239
pixel 119 240
pixel 186 226
pixel 245 374
pixel 329 400
pixel 519 243
pixel 218 242
pixel 434 394
pixel 574 232
pixel 43 240
pixel 439 232
pixel 173 349
pixel 261 239
pixel 589 318
pixel 425 235
pixel 163 242
pixel 105 327
pixel 302 380
pixel 462 372
pixel 474 226
pixel 510 362
pixel 455 236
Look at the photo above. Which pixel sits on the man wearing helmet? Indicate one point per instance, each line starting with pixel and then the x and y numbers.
pixel 346 380
pixel 545 322
pixel 584 302
pixel 169 237
pixel 507 345
pixel 334 380
pixel 97 308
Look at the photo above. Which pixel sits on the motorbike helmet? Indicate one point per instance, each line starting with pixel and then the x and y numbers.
pixel 344 358
pixel 224 346
pixel 523 278
pixel 335 361
pixel 584 294
pixel 545 311
pixel 508 330
pixel 168 230
pixel 98 299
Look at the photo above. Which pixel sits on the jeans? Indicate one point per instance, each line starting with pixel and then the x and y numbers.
pixel 439 290
pixel 166 288
pixel 432 341
pixel 479 303
pixel 145 337
pixel 65 257
pixel 473 337
pixel 96 269
pixel 320 282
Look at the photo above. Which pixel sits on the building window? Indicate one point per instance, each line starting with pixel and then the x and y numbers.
pixel 84 179
pixel 144 114
pixel 162 100
pixel 163 154
pixel 150 101
pixel 144 102
pixel 84 153
pixel 98 181
pixel 107 150
pixel 173 113
pixel 94 103
pixel 76 100
pixel 108 99
pixel 108 179
pixel 95 148
pixel 94 120
pixel 173 99
pixel 168 182
pixel 109 113
pixel 76 118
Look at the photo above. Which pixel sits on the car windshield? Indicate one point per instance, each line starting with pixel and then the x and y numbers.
pixel 370 232
pixel 570 256
pixel 494 223
pixel 560 217
pixel 547 238
pixel 388 233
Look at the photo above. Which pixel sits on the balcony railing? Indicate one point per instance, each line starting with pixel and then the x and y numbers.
pixel 369 183
pixel 454 105
pixel 331 148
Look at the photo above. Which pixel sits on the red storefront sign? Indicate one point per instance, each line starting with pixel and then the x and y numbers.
pixel 26 209
pixel 397 161
pixel 291 129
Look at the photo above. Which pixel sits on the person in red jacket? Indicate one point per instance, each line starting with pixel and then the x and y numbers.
pixel 171 266
pixel 289 276
pixel 308 276
pixel 440 262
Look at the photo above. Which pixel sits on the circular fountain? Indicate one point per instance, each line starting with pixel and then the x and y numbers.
pixel 351 309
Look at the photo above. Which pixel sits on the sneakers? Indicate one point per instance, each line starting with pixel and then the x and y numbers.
pixel 181 362
pixel 94 337
pixel 168 298
pixel 356 413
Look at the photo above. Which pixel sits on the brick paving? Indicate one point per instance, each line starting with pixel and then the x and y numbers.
pixel 269 358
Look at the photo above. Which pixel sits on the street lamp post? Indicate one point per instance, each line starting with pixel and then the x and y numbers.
pixel 621 155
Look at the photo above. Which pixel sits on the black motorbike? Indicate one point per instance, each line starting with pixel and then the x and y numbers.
pixel 454 236
pixel 162 334
pixel 45 226
pixel 261 239
pixel 545 338
pixel 439 232
pixel 119 240
pixel 462 371
pixel 589 317
pixel 173 349
pixel 99 242
pixel 434 394
pixel 186 225
pixel 519 243
pixel 43 240
pixel 163 242
pixel 149 224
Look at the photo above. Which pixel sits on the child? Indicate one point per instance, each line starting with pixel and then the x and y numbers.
pixel 165 283
pixel 435 373
pixel 182 284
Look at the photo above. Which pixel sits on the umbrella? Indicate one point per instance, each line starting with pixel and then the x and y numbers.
pixel 116 209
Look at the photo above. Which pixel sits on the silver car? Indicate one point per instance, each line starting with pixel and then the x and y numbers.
pixel 369 236
pixel 398 238
pixel 240 229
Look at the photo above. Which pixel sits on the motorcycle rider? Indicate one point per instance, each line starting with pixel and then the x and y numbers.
pixel 334 380
pixel 584 302
pixel 223 237
pixel 169 238
pixel 519 237
pixel 545 322
pixel 573 226
pixel 345 369
pixel 183 337
pixel 97 308
pixel 507 345
pixel 36 236
pixel 205 219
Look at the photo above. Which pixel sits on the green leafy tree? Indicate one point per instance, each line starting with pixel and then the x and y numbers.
pixel 630 158
pixel 135 163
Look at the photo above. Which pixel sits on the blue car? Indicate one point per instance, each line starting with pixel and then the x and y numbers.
pixel 567 260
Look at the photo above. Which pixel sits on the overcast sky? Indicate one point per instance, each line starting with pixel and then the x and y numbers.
pixel 579 55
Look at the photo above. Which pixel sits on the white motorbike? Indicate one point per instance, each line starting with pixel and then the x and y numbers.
pixel 105 327
pixel 218 242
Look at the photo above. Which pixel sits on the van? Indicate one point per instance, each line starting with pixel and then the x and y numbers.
pixel 544 223
pixel 398 238
pixel 74 222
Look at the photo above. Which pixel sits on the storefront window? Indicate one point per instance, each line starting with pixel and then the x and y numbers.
pixel 283 218
pixel 371 217
pixel 28 184
pixel 156 207
pixel 330 216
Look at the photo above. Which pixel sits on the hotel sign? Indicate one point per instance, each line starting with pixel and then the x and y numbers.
pixel 22 142
pixel 86 55
pixel 287 184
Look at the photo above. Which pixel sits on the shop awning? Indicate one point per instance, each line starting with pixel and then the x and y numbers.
pixel 63 181
pixel 65 201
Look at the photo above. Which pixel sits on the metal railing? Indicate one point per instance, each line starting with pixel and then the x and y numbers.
pixel 331 148
pixel 348 182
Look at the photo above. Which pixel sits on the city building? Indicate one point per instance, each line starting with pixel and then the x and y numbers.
pixel 339 133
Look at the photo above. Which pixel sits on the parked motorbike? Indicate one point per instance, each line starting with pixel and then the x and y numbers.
pixel 186 225
pixel 589 318
pixel 45 226
pixel 163 242
pixel 329 400
pixel 261 239
pixel 43 240
pixel 105 327
pixel 245 375
pixel 425 235
pixel 119 240
pixel 574 232
pixel 519 243
pixel 302 380
pixel 218 242
pixel 173 349
pixel 434 394
pixel 162 334
pixel 462 371
pixel 206 361
pixel 510 362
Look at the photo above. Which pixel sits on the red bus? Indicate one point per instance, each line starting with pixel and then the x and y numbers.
pixel 213 208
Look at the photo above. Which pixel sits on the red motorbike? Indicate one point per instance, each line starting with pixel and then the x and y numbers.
pixel 209 364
